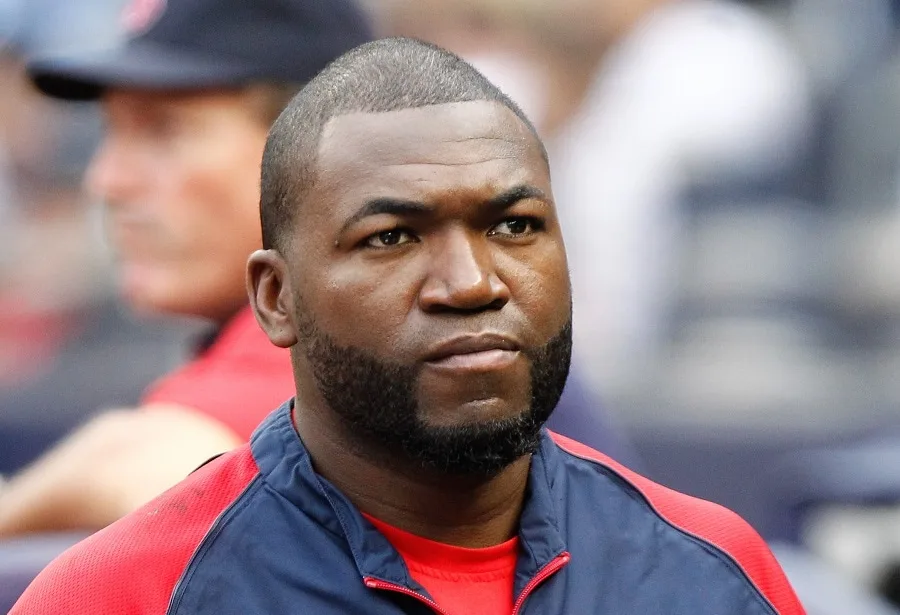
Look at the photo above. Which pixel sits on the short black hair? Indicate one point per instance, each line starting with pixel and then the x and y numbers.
pixel 389 74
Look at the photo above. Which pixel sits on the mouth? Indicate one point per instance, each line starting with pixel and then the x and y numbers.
pixel 479 352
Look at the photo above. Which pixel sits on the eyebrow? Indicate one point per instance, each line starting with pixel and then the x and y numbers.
pixel 512 196
pixel 387 205
pixel 404 207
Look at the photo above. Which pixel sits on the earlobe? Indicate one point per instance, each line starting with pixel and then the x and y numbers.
pixel 269 288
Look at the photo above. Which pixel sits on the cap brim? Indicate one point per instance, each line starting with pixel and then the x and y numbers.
pixel 135 65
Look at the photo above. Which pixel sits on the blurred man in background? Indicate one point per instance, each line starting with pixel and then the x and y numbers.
pixel 63 332
pixel 188 100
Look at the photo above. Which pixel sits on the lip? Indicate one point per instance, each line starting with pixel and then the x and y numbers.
pixel 483 351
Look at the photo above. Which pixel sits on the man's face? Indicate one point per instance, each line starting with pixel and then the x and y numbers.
pixel 431 292
pixel 179 176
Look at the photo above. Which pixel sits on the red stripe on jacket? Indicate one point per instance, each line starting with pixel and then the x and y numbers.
pixel 709 522
pixel 133 566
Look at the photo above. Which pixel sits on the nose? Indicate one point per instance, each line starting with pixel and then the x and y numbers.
pixel 462 277
pixel 112 175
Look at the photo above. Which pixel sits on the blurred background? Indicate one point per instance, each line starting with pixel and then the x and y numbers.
pixel 728 176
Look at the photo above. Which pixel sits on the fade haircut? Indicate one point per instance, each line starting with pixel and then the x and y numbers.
pixel 385 75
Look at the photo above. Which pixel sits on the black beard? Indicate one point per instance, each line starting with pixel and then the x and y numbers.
pixel 377 404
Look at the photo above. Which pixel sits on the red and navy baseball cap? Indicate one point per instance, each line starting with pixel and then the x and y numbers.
pixel 202 44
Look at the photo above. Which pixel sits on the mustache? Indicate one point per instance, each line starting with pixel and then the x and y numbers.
pixel 535 353
pixel 511 324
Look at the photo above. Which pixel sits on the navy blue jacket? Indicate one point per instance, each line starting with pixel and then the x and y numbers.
pixel 257 531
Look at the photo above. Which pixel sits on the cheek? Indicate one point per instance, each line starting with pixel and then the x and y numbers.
pixel 364 305
pixel 212 205
pixel 539 286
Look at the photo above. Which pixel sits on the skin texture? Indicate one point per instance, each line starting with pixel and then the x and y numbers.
pixel 394 286
pixel 179 176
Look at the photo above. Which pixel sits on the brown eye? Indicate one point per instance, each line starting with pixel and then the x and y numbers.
pixel 389 239
pixel 514 227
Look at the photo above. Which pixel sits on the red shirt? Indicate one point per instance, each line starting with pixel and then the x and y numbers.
pixel 462 581
pixel 238 380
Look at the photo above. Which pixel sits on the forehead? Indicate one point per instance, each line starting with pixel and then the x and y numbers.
pixel 144 103
pixel 429 152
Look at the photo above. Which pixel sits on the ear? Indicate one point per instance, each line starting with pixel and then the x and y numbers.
pixel 271 298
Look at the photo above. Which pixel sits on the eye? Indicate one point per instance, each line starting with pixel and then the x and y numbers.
pixel 517 226
pixel 388 239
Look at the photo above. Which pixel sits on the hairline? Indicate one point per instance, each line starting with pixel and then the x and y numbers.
pixel 529 129
pixel 291 158
pixel 316 151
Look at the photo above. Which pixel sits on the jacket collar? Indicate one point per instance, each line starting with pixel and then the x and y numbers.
pixel 286 467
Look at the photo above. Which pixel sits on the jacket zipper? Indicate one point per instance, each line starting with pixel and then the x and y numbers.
pixel 376 584
pixel 552 566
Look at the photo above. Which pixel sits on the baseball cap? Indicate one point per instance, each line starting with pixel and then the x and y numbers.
pixel 198 44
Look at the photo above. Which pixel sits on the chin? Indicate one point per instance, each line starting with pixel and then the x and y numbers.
pixel 153 301
pixel 474 412
pixel 449 400
pixel 161 292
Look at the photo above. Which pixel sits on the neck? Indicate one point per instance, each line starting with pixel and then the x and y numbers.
pixel 463 511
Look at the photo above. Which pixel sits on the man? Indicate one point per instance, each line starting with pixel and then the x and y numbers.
pixel 188 102
pixel 414 266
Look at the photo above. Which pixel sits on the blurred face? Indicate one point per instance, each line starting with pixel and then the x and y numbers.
pixel 179 176
pixel 431 294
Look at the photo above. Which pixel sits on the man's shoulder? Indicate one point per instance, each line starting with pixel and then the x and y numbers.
pixel 720 528
pixel 704 519
pixel 134 565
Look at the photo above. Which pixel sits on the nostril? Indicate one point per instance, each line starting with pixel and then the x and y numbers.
pixel 445 308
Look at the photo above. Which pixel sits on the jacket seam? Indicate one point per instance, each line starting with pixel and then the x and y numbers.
pixel 555 517
pixel 215 530
pixel 723 556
